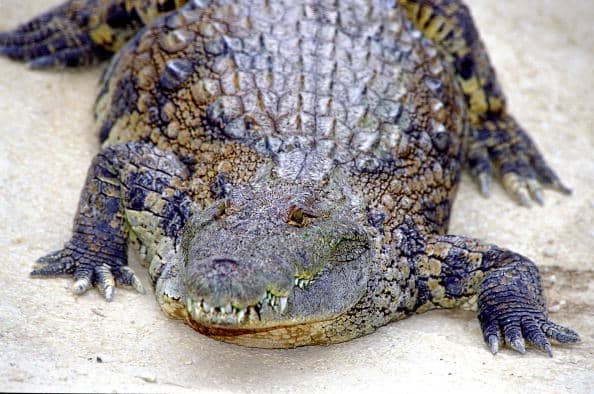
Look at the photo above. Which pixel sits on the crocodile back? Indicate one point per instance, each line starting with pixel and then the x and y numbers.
pixel 312 87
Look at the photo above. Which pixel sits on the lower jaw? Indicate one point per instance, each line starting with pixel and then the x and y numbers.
pixel 279 337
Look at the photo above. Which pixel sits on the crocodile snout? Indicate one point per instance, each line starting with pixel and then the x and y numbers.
pixel 234 289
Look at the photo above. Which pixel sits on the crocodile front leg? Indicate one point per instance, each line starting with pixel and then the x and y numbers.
pixel 130 187
pixel 448 270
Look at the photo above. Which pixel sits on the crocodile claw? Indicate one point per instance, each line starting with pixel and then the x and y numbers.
pixel 88 270
pixel 493 343
pixel 502 147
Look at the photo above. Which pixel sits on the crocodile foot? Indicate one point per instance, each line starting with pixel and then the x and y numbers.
pixel 502 145
pixel 512 309
pixel 88 269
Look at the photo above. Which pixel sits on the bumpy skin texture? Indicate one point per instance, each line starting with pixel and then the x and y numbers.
pixel 498 143
pixel 287 169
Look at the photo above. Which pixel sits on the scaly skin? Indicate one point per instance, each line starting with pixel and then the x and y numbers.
pixel 498 143
pixel 287 169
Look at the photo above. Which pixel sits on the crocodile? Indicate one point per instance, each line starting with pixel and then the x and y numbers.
pixel 286 169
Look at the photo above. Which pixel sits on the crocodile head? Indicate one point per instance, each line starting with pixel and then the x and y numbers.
pixel 273 263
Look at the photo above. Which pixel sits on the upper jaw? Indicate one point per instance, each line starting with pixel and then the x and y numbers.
pixel 270 306
pixel 230 315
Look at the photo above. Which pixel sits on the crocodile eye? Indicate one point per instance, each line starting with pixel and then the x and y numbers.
pixel 298 217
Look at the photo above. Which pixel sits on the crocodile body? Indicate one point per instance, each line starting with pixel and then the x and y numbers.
pixel 287 168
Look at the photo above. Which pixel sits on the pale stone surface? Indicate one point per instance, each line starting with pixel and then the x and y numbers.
pixel 51 340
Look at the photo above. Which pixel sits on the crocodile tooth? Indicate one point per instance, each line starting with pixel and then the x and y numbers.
pixel 228 308
pixel 283 304
pixel 197 310
pixel 253 315
pixel 296 281
pixel 81 285
pixel 240 315
pixel 207 308
pixel 189 303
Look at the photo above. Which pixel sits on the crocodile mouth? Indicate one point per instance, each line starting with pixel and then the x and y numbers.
pixel 281 311
pixel 230 315
pixel 276 320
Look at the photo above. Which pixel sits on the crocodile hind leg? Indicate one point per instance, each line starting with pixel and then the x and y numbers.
pixel 80 32
pixel 449 270
pixel 498 143
pixel 130 187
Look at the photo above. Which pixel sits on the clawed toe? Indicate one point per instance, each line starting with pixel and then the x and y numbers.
pixel 55 52
pixel 518 344
pixel 524 190
pixel 535 336
pixel 528 332
pixel 503 148
pixel 535 190
pixel 69 57
pixel 105 281
pixel 87 272
pixel 54 264
pixel 126 277
pixel 493 341
pixel 82 285
pixel 559 333
pixel 513 336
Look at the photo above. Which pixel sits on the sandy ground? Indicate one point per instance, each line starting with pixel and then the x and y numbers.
pixel 51 340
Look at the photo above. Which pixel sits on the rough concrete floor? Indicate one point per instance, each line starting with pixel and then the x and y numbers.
pixel 51 340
